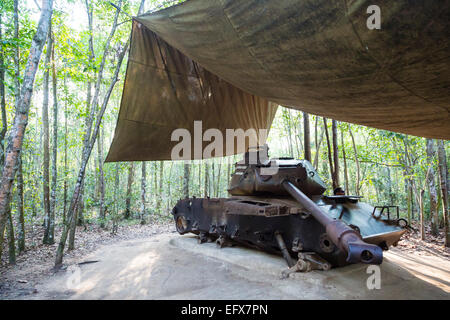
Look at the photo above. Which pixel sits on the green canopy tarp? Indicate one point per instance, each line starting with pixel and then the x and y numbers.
pixel 229 62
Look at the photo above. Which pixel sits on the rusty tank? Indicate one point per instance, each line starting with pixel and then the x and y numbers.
pixel 279 206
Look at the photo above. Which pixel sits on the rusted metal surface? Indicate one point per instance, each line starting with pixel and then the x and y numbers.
pixel 286 213
pixel 342 235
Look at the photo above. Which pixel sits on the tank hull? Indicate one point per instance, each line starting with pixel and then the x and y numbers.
pixel 260 221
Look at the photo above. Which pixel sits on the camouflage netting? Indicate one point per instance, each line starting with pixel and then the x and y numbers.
pixel 229 63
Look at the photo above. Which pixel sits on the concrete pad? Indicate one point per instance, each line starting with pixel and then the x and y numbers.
pixel 170 266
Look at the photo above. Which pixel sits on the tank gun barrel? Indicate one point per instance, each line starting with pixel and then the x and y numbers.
pixel 342 235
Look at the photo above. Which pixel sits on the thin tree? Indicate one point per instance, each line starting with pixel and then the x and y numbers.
pixel 287 117
pixel 186 180
pixel 115 218
pixel 219 165
pixel 330 155
pixel 143 192
pixel 155 186
pixel 20 209
pixel 161 181
pixel 410 180
pixel 20 192
pixel 101 178
pixel 318 142
pixel 206 183
pixel 65 153
pixel 307 137
pixel 358 174
pixel 345 162
pixel 48 239
pixel 129 190
pixel 11 239
pixel 54 185
pixel 212 185
pixel 420 198
pixel 335 154
pixel 4 115
pixel 432 188
pixel 421 213
pixel 90 110
pixel 20 122
pixel 443 173
pixel 3 98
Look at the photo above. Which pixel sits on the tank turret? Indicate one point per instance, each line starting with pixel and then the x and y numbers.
pixel 249 179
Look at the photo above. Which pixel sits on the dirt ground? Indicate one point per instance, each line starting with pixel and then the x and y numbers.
pixel 154 262
pixel 36 264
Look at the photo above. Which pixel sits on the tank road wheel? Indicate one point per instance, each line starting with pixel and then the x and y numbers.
pixel 181 224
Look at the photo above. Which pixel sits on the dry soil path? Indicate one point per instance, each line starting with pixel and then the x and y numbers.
pixel 169 266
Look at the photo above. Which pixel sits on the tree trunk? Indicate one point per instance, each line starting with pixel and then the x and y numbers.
pixel 20 210
pixel 51 235
pixel 143 191
pixel 409 182
pixel 297 138
pixel 79 221
pixel 11 239
pixel 3 103
pixel 101 178
pixel 443 169
pixel 330 160
pixel 89 146
pixel 356 161
pixel 408 199
pixel 228 171
pixel 65 154
pixel 307 137
pixel 199 179
pixel 318 142
pixel 46 143
pixel 73 227
pixel 4 119
pixel 155 185
pixel 129 189
pixel 206 185
pixel 115 218
pixel 345 163
pixel 432 188
pixel 20 192
pixel 389 187
pixel 335 154
pixel 218 179
pixel 212 185
pixel 288 120
pixel 161 179
pixel 422 222
pixel 186 180
pixel 169 185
